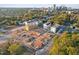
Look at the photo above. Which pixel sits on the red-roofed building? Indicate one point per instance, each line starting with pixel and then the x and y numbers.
pixel 37 44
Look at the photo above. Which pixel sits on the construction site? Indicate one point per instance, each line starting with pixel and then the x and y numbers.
pixel 32 37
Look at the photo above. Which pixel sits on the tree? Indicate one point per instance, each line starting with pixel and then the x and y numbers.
pixel 16 49
pixel 71 50
pixel 59 18
pixel 65 44
pixel 55 48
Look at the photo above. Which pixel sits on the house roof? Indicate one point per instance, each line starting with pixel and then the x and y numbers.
pixel 37 43
pixel 34 34
pixel 46 35
pixel 48 23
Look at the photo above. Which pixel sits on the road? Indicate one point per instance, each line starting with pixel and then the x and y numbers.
pixel 4 37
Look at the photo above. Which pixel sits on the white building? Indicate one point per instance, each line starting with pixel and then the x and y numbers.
pixel 47 25
pixel 69 12
pixel 31 25
pixel 54 28
pixel 31 22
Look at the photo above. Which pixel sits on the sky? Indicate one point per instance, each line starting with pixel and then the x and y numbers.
pixel 70 5
pixel 36 5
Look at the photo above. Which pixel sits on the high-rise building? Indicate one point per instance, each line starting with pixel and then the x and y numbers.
pixel 54 7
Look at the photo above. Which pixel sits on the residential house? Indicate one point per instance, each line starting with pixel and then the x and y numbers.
pixel 53 28
pixel 30 25
pixel 37 44
pixel 69 12
pixel 60 29
pixel 47 25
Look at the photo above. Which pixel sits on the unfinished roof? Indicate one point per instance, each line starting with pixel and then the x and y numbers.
pixel 37 43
